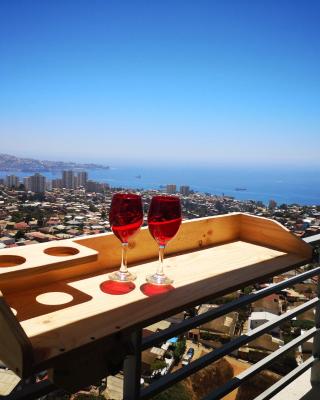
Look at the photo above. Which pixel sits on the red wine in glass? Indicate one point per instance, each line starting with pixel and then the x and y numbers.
pixel 126 218
pixel 164 220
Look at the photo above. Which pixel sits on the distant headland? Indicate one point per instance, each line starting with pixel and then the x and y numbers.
pixel 13 163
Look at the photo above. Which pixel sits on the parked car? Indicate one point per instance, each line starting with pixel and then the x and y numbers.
pixel 188 356
pixel 185 360
pixel 190 353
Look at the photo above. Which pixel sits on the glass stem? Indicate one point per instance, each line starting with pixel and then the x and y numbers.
pixel 161 255
pixel 123 268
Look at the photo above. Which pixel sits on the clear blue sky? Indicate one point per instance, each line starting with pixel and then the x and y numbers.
pixel 169 81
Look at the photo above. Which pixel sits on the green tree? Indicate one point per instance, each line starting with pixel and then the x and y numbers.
pixel 92 207
pixel 17 216
pixel 303 324
pixel 39 197
pixel 19 235
pixel 176 392
pixel 248 289
pixel 28 218
pixel 158 364
pixel 284 364
pixel 208 336
pixel 179 349
pixel 40 220
pixel 103 214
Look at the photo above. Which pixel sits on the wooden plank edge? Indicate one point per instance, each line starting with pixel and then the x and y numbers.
pixel 270 233
pixel 53 266
pixel 193 235
pixel 16 350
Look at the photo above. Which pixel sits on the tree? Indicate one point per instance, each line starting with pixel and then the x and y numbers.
pixel 176 392
pixel 248 289
pixel 103 214
pixel 179 349
pixel 16 216
pixel 209 336
pixel 40 221
pixel 19 235
pixel 158 364
pixel 303 324
pixel 284 364
pixel 28 218
pixel 39 197
pixel 219 206
pixel 92 207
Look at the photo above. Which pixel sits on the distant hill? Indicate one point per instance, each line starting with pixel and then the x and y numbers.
pixel 13 163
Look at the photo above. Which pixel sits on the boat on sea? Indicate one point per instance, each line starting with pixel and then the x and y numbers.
pixel 240 189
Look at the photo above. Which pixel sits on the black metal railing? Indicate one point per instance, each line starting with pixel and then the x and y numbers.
pixel 132 390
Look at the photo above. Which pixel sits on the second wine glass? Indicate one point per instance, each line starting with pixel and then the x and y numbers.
pixel 126 218
pixel 164 220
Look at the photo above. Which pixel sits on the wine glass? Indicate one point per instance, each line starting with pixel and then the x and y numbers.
pixel 126 218
pixel 164 220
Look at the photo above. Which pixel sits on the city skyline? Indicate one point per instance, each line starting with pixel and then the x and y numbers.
pixel 176 83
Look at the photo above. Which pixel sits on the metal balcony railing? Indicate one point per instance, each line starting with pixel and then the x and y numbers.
pixel 132 366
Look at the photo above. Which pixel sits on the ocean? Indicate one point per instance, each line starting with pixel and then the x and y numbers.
pixel 288 186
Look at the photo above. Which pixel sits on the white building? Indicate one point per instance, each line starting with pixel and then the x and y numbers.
pixel 258 318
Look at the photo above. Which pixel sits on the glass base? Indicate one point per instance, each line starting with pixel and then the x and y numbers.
pixel 160 280
pixel 118 276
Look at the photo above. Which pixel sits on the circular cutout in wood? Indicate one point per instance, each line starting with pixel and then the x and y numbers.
pixel 11 261
pixel 54 298
pixel 61 251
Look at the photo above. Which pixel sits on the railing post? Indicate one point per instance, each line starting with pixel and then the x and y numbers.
pixel 315 369
pixel 132 368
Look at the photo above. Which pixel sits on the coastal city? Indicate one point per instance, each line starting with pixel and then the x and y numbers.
pixel 36 210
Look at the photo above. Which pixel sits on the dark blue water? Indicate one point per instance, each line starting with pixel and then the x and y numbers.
pixel 289 186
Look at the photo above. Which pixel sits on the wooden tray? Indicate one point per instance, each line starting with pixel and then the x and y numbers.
pixel 50 308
